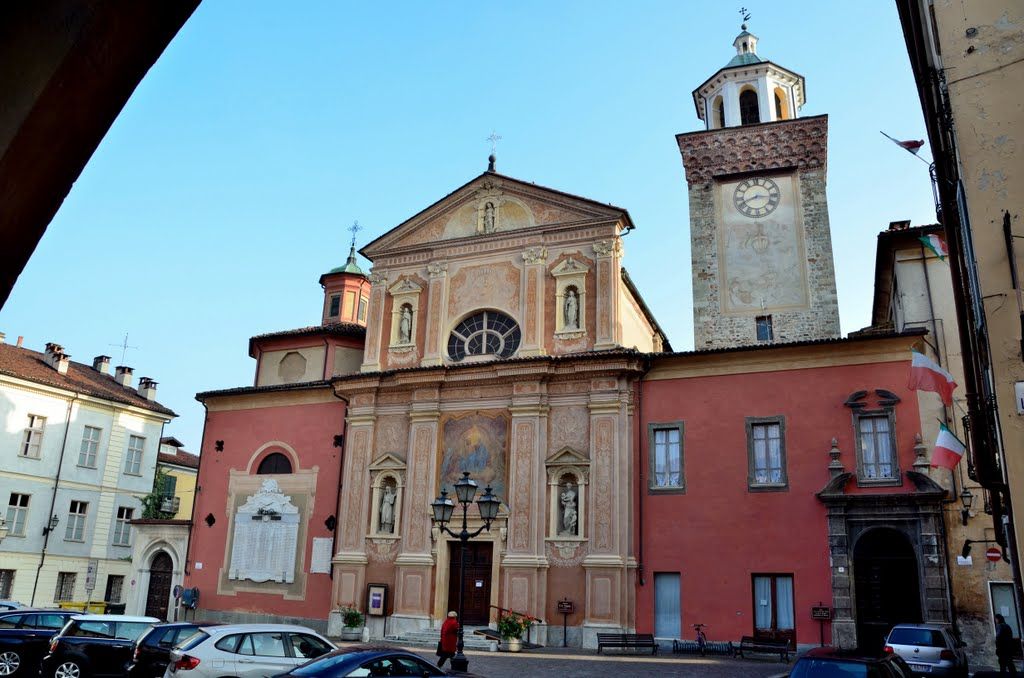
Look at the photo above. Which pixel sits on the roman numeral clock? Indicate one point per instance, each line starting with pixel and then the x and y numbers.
pixel 756 197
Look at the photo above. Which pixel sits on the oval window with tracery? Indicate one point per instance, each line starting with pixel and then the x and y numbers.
pixel 484 333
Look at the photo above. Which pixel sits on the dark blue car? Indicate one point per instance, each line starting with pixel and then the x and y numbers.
pixel 362 660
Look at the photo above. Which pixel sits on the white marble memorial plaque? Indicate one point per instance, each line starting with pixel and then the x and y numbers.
pixel 320 563
pixel 265 537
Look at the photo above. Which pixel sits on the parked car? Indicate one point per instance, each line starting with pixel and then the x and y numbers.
pixel 94 645
pixel 152 650
pixel 245 651
pixel 24 636
pixel 930 649
pixel 365 661
pixel 828 662
pixel 10 605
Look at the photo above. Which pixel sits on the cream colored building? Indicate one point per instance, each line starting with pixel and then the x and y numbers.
pixel 80 450
pixel 968 62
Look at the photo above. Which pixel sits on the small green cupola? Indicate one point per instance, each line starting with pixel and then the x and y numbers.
pixel 346 289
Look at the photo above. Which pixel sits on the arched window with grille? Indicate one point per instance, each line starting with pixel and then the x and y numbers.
pixel 274 463
pixel 484 333
pixel 749 112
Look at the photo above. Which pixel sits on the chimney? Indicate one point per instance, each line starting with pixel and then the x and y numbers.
pixel 101 364
pixel 3 338
pixel 21 340
pixel 56 358
pixel 123 375
pixel 147 388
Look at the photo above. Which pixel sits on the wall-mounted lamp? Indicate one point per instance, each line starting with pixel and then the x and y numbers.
pixel 3 529
pixel 52 525
pixel 966 500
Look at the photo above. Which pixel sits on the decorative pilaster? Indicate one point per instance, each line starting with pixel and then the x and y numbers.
pixel 533 301
pixel 349 562
pixel 608 253
pixel 437 310
pixel 524 585
pixel 415 562
pixel 375 323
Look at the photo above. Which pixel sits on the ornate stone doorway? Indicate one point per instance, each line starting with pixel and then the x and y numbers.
pixel 885 571
pixel 477 591
pixel 159 593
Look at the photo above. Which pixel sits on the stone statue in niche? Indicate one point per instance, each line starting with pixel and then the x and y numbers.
pixel 387 509
pixel 571 312
pixel 489 218
pixel 569 517
pixel 405 326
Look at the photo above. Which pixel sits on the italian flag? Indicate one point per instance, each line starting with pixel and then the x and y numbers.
pixel 927 375
pixel 936 244
pixel 948 449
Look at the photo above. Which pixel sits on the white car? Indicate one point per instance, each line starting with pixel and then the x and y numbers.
pixel 245 651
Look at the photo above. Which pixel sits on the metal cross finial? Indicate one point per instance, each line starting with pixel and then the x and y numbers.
pixel 746 16
pixel 124 347
pixel 494 139
pixel 355 228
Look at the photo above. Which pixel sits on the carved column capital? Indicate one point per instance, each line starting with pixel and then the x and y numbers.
pixel 378 277
pixel 437 269
pixel 535 255
pixel 607 248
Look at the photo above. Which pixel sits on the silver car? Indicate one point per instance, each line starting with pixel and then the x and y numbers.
pixel 929 649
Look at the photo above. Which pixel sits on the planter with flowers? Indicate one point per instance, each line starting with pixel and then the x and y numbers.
pixel 511 627
pixel 353 621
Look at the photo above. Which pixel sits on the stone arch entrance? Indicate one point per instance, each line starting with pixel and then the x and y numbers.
pixel 161 572
pixel 886 584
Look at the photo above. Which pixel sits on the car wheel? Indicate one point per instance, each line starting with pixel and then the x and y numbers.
pixel 68 669
pixel 9 663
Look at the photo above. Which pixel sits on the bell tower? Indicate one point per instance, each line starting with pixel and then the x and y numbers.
pixel 759 230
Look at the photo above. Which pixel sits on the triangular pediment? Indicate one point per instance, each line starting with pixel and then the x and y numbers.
pixel 387 462
pixel 488 206
pixel 567 457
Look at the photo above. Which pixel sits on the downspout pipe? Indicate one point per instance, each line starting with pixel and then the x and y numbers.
pixel 341 470
pixel 53 498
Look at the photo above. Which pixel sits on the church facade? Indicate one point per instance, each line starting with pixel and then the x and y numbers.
pixel 498 333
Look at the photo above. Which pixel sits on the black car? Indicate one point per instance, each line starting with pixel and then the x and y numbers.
pixel 24 637
pixel 152 650
pixel 828 662
pixel 93 645
pixel 362 660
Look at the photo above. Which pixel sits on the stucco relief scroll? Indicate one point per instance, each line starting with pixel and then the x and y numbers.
pixel 357 485
pixel 421 492
pixel 604 441
pixel 569 427
pixel 524 438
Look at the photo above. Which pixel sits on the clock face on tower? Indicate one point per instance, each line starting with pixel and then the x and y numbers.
pixel 757 197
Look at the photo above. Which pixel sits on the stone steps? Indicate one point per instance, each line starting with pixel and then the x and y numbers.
pixel 429 638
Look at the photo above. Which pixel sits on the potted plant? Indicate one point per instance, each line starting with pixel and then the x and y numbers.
pixel 511 627
pixel 353 621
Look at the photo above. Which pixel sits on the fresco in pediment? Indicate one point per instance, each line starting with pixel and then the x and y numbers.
pixel 489 285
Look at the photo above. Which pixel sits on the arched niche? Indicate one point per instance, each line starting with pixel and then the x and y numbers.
pixel 387 482
pixel 568 476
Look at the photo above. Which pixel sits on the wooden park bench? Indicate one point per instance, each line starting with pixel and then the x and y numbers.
pixel 626 640
pixel 752 644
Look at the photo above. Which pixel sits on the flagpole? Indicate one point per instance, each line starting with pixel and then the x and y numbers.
pixel 895 141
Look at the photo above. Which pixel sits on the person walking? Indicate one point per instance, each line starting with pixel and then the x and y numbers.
pixel 449 638
pixel 1004 646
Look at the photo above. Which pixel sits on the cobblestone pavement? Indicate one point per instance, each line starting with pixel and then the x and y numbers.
pixel 588 664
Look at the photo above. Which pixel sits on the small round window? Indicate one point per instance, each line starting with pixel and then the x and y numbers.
pixel 484 333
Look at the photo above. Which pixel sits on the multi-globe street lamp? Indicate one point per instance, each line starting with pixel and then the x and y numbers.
pixel 443 508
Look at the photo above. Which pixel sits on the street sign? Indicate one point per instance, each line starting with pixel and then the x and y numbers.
pixel 90 575
pixel 822 612
pixel 993 554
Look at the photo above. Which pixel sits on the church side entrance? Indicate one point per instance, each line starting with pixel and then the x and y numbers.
pixel 886 585
pixel 477 591
pixel 158 595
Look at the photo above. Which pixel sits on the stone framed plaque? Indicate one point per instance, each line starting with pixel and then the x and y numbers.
pixel 265 537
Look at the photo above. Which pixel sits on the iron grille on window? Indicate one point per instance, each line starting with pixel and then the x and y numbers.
pixel 65 587
pixel 6 583
pixel 115 583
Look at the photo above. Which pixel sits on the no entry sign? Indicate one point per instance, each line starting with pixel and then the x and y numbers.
pixel 993 554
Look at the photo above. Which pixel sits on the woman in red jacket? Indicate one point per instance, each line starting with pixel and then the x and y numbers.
pixel 449 638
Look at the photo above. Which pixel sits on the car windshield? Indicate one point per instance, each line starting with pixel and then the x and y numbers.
pixel 834 668
pixel 920 637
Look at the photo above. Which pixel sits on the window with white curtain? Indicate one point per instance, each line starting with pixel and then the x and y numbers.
pixel 773 606
pixel 665 443
pixel 766 453
pixel 877 450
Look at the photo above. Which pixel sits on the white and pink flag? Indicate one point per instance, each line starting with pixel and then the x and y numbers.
pixel 928 375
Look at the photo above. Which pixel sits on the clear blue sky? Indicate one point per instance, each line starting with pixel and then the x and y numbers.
pixel 224 188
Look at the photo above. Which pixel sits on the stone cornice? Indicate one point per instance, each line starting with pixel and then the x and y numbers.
pixel 801 143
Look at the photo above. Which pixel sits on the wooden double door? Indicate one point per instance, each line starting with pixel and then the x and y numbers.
pixel 476 590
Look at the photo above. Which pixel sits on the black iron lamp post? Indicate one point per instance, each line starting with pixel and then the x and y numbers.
pixel 444 507
pixel 966 499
